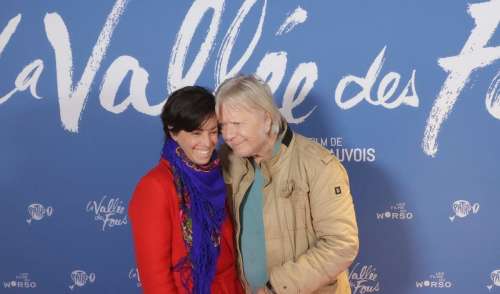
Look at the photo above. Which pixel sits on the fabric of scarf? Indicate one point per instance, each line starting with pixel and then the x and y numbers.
pixel 206 192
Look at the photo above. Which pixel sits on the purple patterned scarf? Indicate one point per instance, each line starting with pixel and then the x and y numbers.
pixel 206 191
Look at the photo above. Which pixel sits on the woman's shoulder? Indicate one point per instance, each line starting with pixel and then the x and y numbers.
pixel 160 173
pixel 157 180
pixel 153 193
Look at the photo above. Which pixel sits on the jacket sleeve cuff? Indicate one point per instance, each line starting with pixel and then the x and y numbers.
pixel 282 283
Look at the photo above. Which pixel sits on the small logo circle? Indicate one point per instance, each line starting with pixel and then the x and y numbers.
pixel 495 277
pixel 461 208
pixel 79 277
pixel 36 211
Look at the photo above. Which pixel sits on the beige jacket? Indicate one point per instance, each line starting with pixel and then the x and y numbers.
pixel 309 221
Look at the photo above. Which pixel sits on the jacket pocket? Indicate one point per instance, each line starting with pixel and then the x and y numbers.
pixel 297 217
pixel 297 199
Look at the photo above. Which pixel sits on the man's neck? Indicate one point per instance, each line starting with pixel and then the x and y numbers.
pixel 267 151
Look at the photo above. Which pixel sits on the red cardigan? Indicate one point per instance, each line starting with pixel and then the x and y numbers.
pixel 159 244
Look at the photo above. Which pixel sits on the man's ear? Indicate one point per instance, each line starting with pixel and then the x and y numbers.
pixel 268 123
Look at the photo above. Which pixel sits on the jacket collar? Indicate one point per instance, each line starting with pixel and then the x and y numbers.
pixel 268 166
pixel 243 167
pixel 287 136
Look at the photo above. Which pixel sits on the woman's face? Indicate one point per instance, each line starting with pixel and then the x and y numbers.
pixel 245 130
pixel 199 144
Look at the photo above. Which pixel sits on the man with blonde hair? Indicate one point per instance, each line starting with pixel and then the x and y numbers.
pixel 294 217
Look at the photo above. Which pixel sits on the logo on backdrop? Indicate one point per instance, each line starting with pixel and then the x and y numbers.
pixel 22 281
pixel 397 211
pixel 110 211
pixel 81 278
pixel 133 274
pixel 336 147
pixel 436 280
pixel 495 279
pixel 463 208
pixel 364 279
pixel 37 212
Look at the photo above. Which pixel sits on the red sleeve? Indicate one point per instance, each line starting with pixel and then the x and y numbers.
pixel 152 234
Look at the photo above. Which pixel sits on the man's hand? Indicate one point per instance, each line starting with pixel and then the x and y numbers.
pixel 261 291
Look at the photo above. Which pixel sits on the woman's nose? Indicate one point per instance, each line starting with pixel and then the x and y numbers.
pixel 207 139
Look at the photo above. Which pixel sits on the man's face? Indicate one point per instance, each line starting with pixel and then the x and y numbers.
pixel 244 129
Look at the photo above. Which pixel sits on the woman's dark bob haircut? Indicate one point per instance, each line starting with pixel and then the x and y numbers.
pixel 187 109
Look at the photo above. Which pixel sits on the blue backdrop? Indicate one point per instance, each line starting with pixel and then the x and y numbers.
pixel 405 93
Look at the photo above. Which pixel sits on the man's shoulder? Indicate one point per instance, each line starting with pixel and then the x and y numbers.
pixel 312 152
pixel 224 151
pixel 231 163
pixel 227 155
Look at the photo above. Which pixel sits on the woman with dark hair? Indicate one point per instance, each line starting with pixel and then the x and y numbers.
pixel 182 230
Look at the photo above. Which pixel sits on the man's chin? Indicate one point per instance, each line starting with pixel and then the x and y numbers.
pixel 240 153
